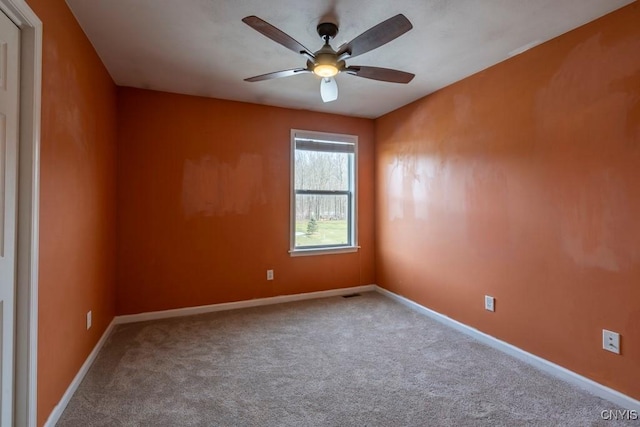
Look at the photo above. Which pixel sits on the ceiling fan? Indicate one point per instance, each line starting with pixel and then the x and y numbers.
pixel 327 63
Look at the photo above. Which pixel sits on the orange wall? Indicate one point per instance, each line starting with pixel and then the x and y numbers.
pixel 203 203
pixel 77 202
pixel 520 182
pixel 523 182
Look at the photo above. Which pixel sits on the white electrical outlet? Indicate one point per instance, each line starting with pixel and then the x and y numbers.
pixel 611 341
pixel 269 274
pixel 489 303
pixel 88 319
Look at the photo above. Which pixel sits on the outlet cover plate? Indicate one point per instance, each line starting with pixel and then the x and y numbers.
pixel 269 274
pixel 611 341
pixel 489 303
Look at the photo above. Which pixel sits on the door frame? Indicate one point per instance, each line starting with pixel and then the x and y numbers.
pixel 26 322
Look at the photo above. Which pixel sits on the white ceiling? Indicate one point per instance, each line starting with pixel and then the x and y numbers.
pixel 201 47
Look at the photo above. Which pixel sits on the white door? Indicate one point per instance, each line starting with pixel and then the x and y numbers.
pixel 9 48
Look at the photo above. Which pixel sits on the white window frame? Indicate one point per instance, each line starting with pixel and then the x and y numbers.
pixel 326 137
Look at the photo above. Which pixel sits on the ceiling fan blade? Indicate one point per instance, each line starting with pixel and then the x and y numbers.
pixel 276 35
pixel 278 74
pixel 328 89
pixel 375 37
pixel 377 73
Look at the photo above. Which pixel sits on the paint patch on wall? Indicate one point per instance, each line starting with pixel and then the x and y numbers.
pixel 594 81
pixel 628 85
pixel 395 179
pixel 487 207
pixel 589 102
pixel 462 110
pixel 213 188
pixel 590 222
pixel 69 116
pixel 408 178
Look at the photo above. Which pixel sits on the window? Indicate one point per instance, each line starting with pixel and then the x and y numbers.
pixel 323 193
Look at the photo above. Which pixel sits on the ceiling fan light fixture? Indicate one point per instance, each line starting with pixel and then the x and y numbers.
pixel 325 70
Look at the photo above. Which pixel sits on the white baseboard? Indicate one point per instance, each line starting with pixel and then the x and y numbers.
pixel 622 400
pixel 189 311
pixel 66 397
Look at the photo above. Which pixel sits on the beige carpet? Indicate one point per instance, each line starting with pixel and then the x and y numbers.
pixel 362 361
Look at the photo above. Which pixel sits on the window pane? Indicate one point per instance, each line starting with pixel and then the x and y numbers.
pixel 316 170
pixel 322 220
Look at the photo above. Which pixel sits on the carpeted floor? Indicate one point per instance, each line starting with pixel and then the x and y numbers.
pixel 362 361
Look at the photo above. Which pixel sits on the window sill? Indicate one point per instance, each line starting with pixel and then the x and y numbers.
pixel 324 251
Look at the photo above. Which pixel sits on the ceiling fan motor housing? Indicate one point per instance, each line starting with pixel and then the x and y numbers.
pixel 326 59
pixel 327 29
